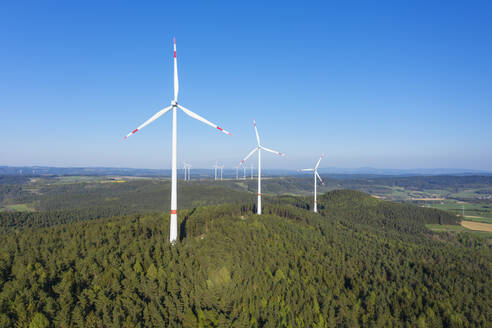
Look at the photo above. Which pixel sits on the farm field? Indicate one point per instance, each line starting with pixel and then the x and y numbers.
pixel 477 226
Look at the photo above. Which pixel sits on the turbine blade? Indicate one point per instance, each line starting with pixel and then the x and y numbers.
pixel 176 83
pixel 249 155
pixel 256 131
pixel 272 151
pixel 319 160
pixel 320 180
pixel 198 117
pixel 305 170
pixel 150 120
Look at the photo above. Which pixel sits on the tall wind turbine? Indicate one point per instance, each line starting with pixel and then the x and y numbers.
pixel 173 234
pixel 221 167
pixel 316 176
pixel 259 148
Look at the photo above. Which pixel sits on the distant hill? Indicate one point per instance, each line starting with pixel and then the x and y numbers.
pixel 208 173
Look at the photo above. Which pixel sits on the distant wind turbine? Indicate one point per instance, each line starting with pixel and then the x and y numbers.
pixel 187 170
pixel 316 176
pixel 259 148
pixel 221 171
pixel 173 235
pixel 216 167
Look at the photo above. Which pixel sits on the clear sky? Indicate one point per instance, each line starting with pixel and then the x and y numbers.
pixel 387 84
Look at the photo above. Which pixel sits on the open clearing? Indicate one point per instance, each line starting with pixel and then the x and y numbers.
pixel 458 229
pixel 17 207
pixel 477 219
pixel 477 226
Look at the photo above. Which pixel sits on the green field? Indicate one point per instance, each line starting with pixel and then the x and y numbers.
pixel 482 210
pixel 478 219
pixel 17 207
pixel 457 228
pixel 446 227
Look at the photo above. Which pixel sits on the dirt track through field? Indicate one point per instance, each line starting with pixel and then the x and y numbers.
pixel 477 226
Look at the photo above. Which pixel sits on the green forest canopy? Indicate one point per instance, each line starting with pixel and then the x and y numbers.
pixel 360 262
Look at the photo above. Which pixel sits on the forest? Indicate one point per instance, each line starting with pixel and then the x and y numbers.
pixel 360 262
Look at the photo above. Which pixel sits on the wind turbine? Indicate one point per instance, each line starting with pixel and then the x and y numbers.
pixel 187 168
pixel 173 234
pixel 259 148
pixel 221 171
pixel 316 176
pixel 216 167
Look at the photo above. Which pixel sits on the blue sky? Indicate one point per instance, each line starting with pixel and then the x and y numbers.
pixel 404 84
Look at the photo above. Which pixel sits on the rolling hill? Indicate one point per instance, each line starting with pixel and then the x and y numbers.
pixel 360 262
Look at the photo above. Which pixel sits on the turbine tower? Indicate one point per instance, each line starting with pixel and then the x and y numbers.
pixel 259 148
pixel 173 234
pixel 221 171
pixel 187 168
pixel 216 167
pixel 316 176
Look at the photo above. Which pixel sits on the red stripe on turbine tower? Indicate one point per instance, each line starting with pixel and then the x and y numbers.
pixel 174 211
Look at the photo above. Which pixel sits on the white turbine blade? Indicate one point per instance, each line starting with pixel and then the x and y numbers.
pixel 176 84
pixel 305 170
pixel 272 151
pixel 198 117
pixel 320 180
pixel 256 131
pixel 319 161
pixel 249 155
pixel 150 120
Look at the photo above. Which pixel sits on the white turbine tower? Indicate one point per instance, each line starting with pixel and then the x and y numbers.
pixel 316 176
pixel 221 171
pixel 173 235
pixel 259 148
pixel 216 167
pixel 187 168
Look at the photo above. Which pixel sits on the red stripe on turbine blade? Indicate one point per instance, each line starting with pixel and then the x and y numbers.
pixel 221 129
pixel 174 53
pixel 134 130
pixel 174 211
